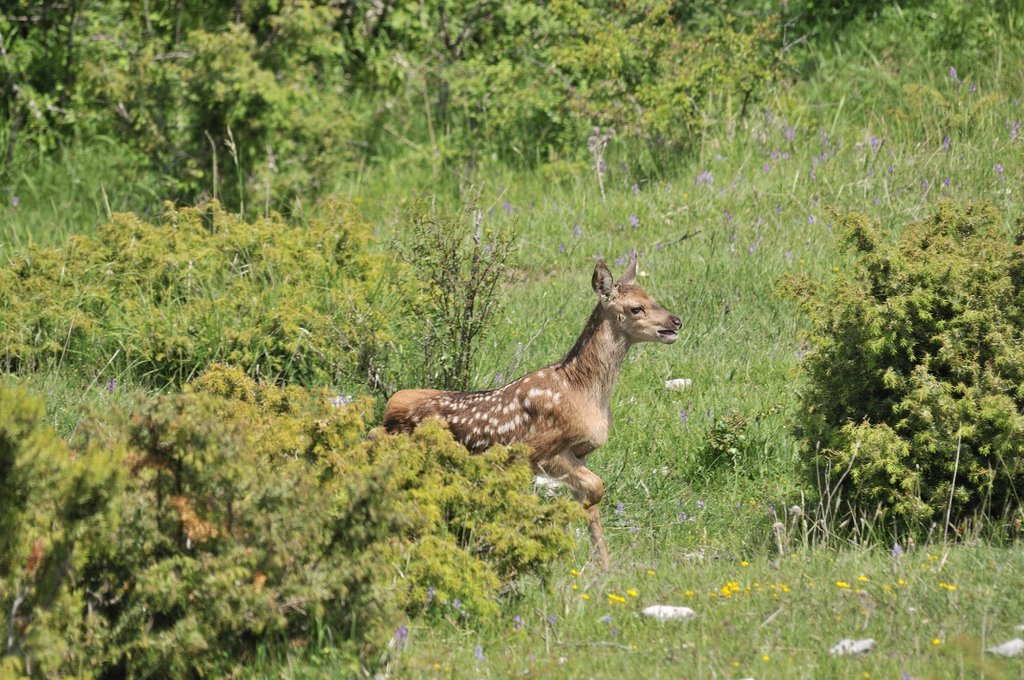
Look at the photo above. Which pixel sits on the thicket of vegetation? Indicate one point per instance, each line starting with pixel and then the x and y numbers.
pixel 162 301
pixel 174 539
pixel 915 404
pixel 259 101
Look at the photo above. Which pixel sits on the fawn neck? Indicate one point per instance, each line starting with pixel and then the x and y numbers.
pixel 593 363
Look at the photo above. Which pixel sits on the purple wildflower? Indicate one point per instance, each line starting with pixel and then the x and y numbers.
pixel 896 549
pixel 778 208
pixel 999 170
pixel 607 618
pixel 875 143
pixel 785 155
pixel 814 173
pixel 619 508
pixel 336 401
pixel 700 505
pixel 576 231
pixel 946 143
pixel 1014 131
pixel 728 215
pixel 925 185
pixel 613 631
pixel 952 74
pixel 634 221
pixel 776 155
pixel 974 88
pixel 487 249
pixel 430 594
pixel 789 133
pixel 479 653
pixel 636 189
pixel 810 219
pixel 891 169
pixel 683 417
pixel 552 618
pixel 705 178
pixel 766 168
pixel 948 181
pixel 401 635
pixel 111 385
pixel 517 621
pixel 682 516
pixel 15 201
pixel 506 206
pixel 456 603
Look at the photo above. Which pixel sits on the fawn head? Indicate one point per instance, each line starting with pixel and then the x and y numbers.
pixel 633 313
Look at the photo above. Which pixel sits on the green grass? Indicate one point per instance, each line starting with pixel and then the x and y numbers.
pixel 930 612
pixel 866 130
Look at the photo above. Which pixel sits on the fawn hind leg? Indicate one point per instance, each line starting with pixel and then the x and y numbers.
pixel 588 490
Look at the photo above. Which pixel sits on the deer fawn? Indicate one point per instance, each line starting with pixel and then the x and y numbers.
pixel 561 412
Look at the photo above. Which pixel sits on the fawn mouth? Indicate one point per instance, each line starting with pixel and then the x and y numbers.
pixel 668 335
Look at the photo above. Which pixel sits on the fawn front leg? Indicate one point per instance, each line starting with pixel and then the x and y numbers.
pixel 588 490
pixel 597 543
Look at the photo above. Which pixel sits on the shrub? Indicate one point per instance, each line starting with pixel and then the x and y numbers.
pixel 529 84
pixel 239 514
pixel 458 265
pixel 165 300
pixel 914 400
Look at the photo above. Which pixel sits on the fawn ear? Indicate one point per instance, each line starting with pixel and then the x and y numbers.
pixel 629 276
pixel 602 280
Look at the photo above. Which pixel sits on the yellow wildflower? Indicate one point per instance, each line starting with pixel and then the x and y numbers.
pixel 842 584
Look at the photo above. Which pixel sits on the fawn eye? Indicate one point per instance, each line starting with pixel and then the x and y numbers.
pixel 636 310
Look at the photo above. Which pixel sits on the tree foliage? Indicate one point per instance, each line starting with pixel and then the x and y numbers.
pixel 259 101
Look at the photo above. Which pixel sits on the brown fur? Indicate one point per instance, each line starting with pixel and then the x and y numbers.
pixel 560 412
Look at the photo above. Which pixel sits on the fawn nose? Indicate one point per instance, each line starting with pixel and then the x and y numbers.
pixel 674 320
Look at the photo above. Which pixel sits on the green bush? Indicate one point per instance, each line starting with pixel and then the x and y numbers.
pixel 163 301
pixel 257 102
pixel 180 539
pixel 458 265
pixel 915 398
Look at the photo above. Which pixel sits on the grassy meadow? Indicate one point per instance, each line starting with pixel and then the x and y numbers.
pixel 876 122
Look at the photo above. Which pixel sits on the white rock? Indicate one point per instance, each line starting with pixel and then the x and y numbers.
pixel 848 646
pixel 678 383
pixel 1020 626
pixel 667 612
pixel 1014 647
